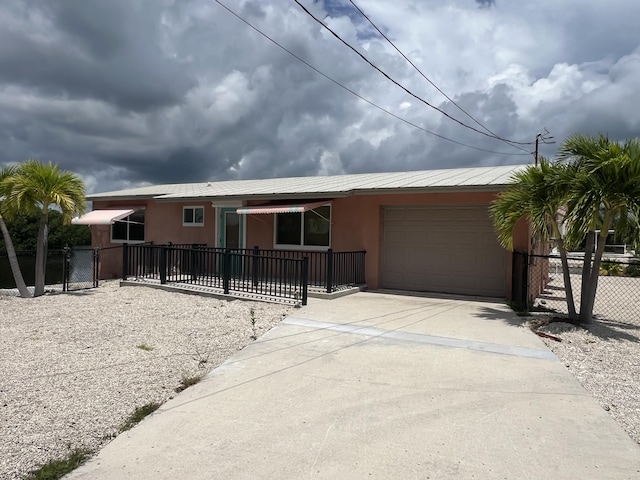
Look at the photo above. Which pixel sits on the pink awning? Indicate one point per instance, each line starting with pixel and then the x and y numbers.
pixel 284 208
pixel 101 217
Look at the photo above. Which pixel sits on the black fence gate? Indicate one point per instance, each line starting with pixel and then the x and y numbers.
pixel 80 268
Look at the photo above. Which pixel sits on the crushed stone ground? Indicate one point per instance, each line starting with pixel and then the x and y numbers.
pixel 72 369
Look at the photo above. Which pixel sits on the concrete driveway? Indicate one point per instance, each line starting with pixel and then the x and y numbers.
pixel 380 386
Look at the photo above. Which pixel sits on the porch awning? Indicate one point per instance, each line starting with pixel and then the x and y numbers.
pixel 101 217
pixel 281 208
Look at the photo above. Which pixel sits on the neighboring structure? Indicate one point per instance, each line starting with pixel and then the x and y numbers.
pixel 422 231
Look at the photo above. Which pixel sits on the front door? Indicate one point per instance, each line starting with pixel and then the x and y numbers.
pixel 231 234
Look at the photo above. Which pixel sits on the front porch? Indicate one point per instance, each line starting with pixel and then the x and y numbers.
pixel 283 275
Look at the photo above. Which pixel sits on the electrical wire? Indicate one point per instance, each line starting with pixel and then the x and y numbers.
pixel 420 71
pixel 395 82
pixel 246 22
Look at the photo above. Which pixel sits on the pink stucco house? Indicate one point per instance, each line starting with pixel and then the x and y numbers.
pixel 422 231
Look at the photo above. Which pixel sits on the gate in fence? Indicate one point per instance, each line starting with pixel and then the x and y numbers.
pixel 80 268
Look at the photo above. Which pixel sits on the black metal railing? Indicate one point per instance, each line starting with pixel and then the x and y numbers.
pixel 229 270
pixel 255 271
pixel 328 270
pixel 538 284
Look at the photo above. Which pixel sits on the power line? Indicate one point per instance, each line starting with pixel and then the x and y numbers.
pixel 356 93
pixel 513 142
pixel 418 70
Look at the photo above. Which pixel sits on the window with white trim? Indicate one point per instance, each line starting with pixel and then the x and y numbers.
pixel 130 229
pixel 310 229
pixel 192 216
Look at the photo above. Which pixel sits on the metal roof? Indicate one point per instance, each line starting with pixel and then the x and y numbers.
pixel 477 178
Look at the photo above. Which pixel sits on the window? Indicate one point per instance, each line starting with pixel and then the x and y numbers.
pixel 193 216
pixel 129 229
pixel 307 229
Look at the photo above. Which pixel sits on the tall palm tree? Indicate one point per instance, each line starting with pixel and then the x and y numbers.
pixel 604 192
pixel 37 187
pixel 5 173
pixel 537 194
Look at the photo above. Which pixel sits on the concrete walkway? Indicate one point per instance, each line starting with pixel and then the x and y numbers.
pixel 380 386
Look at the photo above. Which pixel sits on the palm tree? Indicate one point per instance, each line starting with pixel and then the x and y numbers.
pixel 37 186
pixel 5 173
pixel 604 191
pixel 537 194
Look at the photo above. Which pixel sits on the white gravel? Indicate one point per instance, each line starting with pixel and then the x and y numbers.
pixel 71 369
pixel 605 358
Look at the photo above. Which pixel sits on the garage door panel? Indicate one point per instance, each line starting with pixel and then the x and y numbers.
pixel 449 249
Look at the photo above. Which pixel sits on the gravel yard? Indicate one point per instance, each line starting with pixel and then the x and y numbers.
pixel 605 358
pixel 75 365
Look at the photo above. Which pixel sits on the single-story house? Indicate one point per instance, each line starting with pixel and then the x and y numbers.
pixel 422 231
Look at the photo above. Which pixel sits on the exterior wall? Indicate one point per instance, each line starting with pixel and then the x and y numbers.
pixel 259 230
pixel 358 223
pixel 163 224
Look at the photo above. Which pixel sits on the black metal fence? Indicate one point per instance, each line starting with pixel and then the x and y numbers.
pixel 328 270
pixel 273 273
pixel 224 269
pixel 67 270
pixel 538 284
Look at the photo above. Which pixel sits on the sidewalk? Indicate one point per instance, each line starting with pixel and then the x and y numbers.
pixel 380 386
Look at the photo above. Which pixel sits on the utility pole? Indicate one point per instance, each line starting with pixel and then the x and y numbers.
pixel 546 139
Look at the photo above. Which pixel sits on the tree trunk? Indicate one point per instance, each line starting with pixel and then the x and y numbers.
pixel 591 286
pixel 566 275
pixel 41 253
pixel 586 274
pixel 13 262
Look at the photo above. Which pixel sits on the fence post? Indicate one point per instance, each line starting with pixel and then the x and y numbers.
pixel 256 265
pixel 525 281
pixel 65 269
pixel 96 267
pixel 125 260
pixel 226 270
pixel 329 270
pixel 194 263
pixel 305 279
pixel 163 265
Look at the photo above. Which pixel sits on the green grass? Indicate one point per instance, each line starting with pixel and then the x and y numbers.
pixel 138 415
pixel 55 469
pixel 186 382
pixel 145 347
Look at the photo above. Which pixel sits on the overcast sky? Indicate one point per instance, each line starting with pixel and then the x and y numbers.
pixel 136 92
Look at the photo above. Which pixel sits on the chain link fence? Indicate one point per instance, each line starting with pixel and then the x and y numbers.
pixel 80 268
pixel 67 270
pixel 617 297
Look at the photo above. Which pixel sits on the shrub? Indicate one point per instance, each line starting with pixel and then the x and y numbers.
pixel 611 269
pixel 633 270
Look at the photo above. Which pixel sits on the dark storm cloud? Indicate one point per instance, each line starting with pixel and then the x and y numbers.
pixel 131 92
pixel 486 3
pixel 92 49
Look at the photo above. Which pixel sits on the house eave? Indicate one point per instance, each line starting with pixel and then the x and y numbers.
pixel 97 198
pixel 257 197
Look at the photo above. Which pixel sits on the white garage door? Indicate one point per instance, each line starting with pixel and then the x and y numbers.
pixel 448 249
